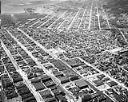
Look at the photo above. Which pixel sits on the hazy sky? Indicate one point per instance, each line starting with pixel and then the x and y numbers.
pixel 14 6
pixel 17 6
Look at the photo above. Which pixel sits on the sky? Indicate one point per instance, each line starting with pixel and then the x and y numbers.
pixel 17 6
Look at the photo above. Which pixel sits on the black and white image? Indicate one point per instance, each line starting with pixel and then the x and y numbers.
pixel 64 51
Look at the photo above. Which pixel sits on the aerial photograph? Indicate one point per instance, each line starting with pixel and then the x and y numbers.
pixel 63 50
